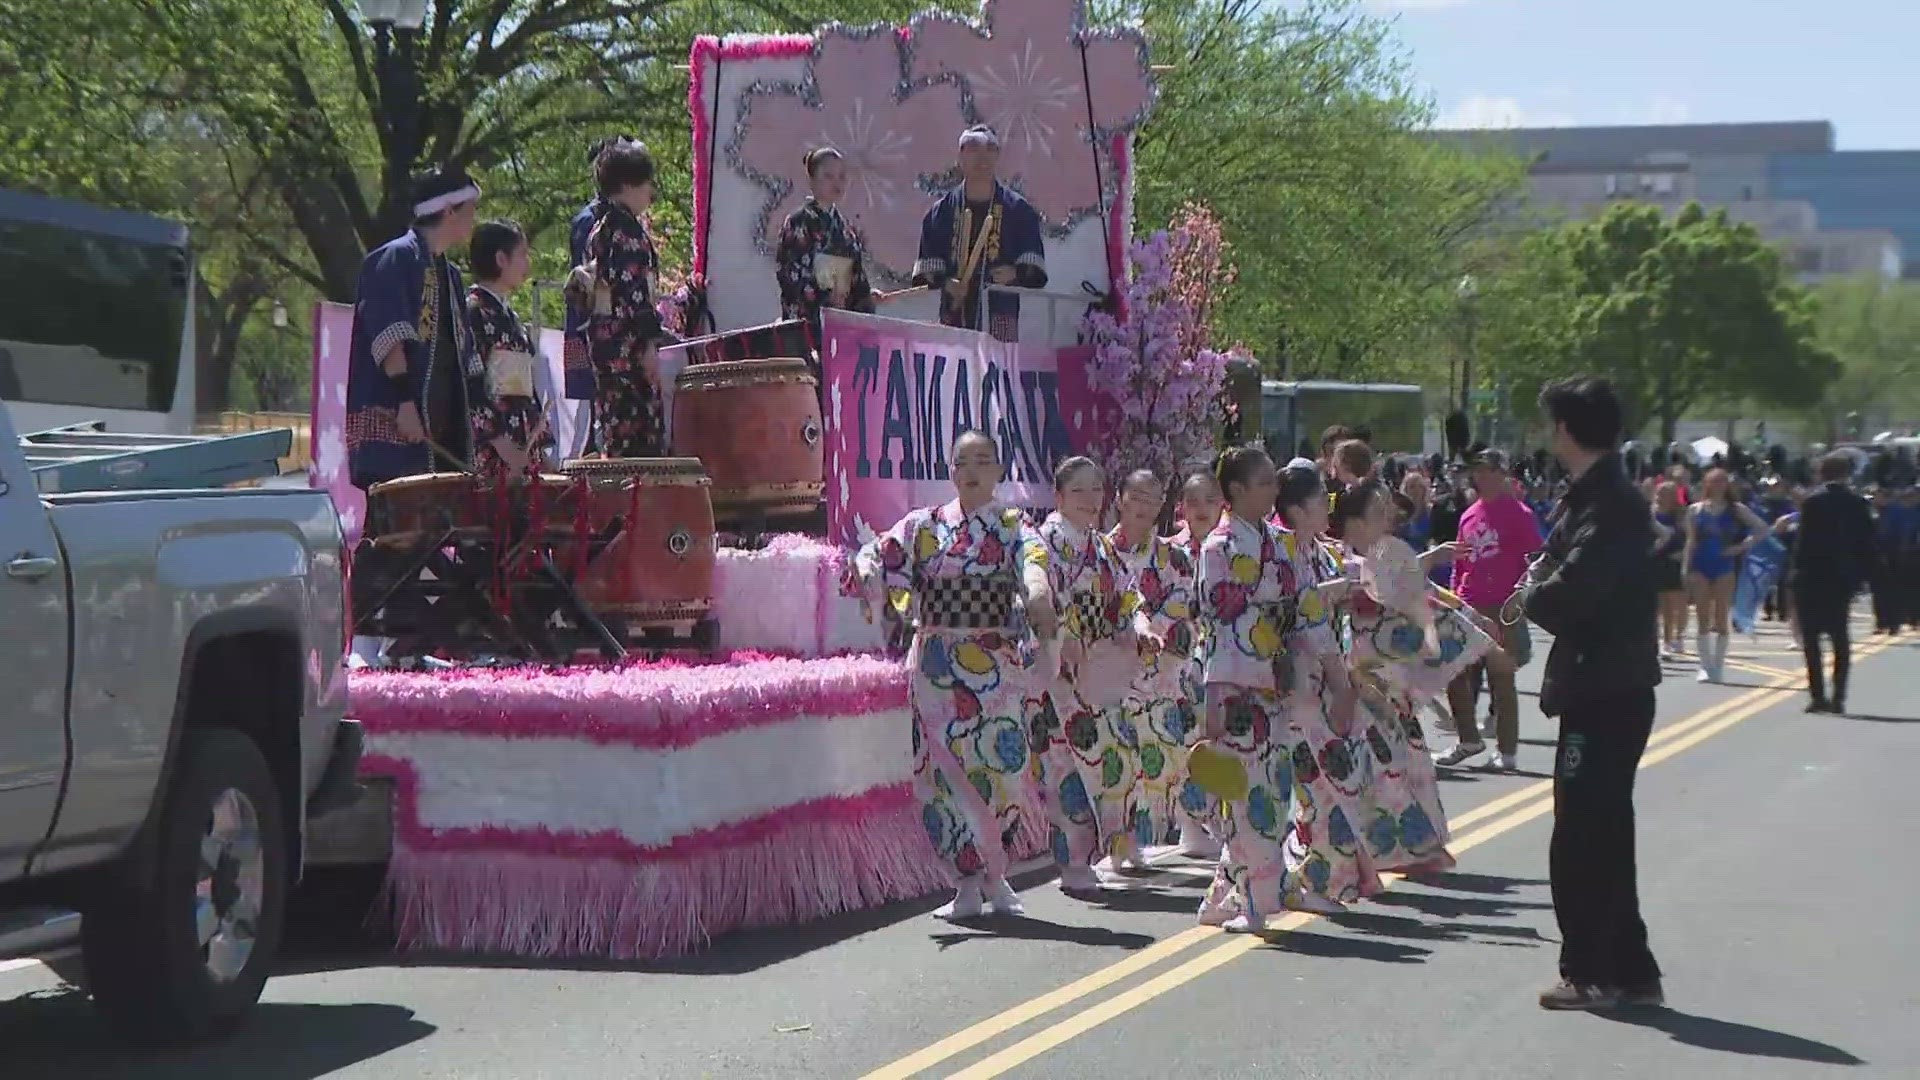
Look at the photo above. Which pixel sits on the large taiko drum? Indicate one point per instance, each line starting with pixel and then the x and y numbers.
pixel 756 425
pixel 659 566
pixel 417 509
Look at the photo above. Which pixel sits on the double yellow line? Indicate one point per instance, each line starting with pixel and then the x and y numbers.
pixel 1508 813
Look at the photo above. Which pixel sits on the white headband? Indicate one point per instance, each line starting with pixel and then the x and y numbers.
pixel 430 207
pixel 979 136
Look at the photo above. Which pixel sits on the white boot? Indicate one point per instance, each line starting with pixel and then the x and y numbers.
pixel 1720 643
pixel 967 902
pixel 1705 674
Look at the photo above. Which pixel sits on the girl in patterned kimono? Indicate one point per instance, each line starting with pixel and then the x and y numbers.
pixel 509 422
pixel 1086 754
pixel 818 261
pixel 1410 639
pixel 1160 598
pixel 957 570
pixel 1248 597
pixel 619 282
pixel 1201 507
pixel 1326 865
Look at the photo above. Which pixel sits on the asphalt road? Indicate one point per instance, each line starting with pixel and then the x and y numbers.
pixel 1776 875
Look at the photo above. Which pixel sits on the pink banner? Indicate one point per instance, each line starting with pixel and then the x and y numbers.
pixel 898 393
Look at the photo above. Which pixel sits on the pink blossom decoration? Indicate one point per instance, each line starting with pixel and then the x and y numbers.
pixel 1154 363
pixel 1051 88
pixel 855 100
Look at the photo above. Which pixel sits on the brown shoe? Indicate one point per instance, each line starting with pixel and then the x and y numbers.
pixel 1567 996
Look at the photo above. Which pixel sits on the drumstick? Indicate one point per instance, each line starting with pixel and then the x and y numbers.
pixel 452 458
pixel 900 294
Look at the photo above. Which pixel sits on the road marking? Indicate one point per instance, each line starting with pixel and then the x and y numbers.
pixel 1536 796
pixel 18 965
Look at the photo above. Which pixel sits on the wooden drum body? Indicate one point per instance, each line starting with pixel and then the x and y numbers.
pixel 756 425
pixel 659 566
pixel 418 509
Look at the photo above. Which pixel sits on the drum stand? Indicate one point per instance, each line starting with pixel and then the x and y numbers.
pixel 440 597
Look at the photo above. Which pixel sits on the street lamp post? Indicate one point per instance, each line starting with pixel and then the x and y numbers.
pixel 396 27
pixel 1467 290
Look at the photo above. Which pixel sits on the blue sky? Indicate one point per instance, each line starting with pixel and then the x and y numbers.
pixel 1504 63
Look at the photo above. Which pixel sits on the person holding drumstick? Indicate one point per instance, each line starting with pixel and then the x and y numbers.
pixel 413 372
pixel 979 234
pixel 819 258
pixel 509 422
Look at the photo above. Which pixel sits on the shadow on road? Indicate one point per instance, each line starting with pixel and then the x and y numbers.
pixel 1461 881
pixel 1724 1035
pixel 1336 947
pixel 1400 926
pixel 1029 929
pixel 57 1034
pixel 1453 907
pixel 1870 719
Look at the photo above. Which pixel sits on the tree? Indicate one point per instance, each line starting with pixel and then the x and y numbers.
pixel 1674 311
pixel 1300 127
pixel 1872 327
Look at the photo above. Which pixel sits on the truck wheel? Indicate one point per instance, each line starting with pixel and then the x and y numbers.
pixel 182 952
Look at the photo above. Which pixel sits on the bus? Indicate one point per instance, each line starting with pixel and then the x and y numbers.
pixel 96 317
pixel 1294 414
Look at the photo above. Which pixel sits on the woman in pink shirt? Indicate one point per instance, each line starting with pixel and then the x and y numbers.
pixel 1498 536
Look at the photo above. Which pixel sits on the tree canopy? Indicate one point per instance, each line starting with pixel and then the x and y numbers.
pixel 1677 311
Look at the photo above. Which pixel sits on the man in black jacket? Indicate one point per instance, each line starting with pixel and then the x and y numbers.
pixel 1832 558
pixel 1598 601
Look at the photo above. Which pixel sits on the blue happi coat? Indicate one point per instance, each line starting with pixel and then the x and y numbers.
pixel 1012 238
pixel 398 300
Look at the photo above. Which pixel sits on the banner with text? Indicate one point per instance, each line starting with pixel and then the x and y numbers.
pixel 897 394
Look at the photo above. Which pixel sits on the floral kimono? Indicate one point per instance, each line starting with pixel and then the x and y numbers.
pixel 1157 708
pixel 1085 753
pixel 956 576
pixel 622 335
pixel 812 236
pixel 511 406
pixel 1248 596
pixel 1323 852
pixel 1403 823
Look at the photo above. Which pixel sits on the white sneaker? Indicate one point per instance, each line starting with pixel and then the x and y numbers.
pixel 1005 901
pixel 1503 762
pixel 1216 914
pixel 1198 845
pixel 1251 922
pixel 1460 754
pixel 967 902
pixel 1079 879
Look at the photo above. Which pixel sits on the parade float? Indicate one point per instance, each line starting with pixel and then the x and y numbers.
pixel 756 769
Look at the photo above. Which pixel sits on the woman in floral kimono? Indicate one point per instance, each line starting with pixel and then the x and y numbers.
pixel 509 423
pixel 1086 755
pixel 957 570
pixel 1410 639
pixel 1160 599
pixel 1201 507
pixel 620 280
pixel 1248 598
pixel 818 260
pixel 1326 865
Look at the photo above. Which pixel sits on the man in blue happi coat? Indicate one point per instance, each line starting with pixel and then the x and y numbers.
pixel 414 375
pixel 981 233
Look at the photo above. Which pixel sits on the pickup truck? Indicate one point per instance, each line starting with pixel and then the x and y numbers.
pixel 174 664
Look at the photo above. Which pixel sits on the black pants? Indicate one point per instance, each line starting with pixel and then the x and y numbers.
pixel 1824 611
pixel 1596 895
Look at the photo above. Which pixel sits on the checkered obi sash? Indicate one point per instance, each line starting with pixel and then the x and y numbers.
pixel 967 602
pixel 1096 618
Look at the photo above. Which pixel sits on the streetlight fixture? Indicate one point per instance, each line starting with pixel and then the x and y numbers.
pixel 394 14
pixel 1467 290
pixel 279 315
pixel 396 25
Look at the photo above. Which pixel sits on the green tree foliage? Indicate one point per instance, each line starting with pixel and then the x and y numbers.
pixel 1300 127
pixel 1872 327
pixel 1676 311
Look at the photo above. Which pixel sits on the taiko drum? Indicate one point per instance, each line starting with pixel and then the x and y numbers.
pixel 655 518
pixel 416 509
pixel 756 425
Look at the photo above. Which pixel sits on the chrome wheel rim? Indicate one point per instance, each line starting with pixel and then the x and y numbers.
pixel 230 887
